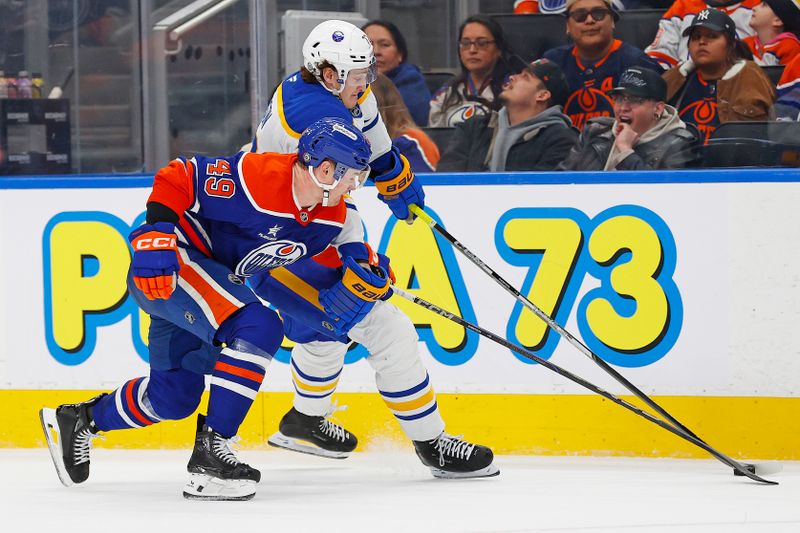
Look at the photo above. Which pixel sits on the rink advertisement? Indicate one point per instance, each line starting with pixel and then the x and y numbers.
pixel 686 282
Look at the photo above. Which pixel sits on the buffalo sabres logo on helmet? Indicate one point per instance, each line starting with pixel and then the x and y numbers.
pixel 270 255
pixel 338 36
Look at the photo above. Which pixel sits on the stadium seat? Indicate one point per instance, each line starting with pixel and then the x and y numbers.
pixel 773 72
pixel 440 136
pixel 529 36
pixel 638 27
pixel 748 153
pixel 784 131
pixel 434 79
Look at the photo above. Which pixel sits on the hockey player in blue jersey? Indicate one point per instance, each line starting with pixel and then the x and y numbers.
pixel 211 223
pixel 338 66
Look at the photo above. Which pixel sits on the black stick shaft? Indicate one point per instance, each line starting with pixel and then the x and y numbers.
pixel 550 322
pixel 582 382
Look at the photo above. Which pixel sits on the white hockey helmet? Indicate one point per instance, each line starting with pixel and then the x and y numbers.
pixel 341 44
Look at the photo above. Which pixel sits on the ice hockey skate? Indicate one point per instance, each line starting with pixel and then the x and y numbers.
pixel 216 473
pixel 452 457
pixel 315 435
pixel 69 431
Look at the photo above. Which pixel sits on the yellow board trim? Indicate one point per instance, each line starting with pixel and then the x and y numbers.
pixel 297 286
pixel 741 427
pixel 411 404
pixel 282 116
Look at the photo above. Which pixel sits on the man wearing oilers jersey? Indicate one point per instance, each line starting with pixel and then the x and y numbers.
pixel 211 223
pixel 338 65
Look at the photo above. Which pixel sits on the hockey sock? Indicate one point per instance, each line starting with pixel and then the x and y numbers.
pixel 125 408
pixel 235 381
pixel 416 410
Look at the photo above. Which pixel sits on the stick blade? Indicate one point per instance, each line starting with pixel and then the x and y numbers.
pixel 764 468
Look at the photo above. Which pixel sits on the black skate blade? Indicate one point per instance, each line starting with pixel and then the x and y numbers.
pixel 279 440
pixel 244 498
pixel 489 471
pixel 766 468
pixel 52 435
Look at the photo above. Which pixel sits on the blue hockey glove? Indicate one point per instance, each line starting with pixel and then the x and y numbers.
pixel 363 253
pixel 155 259
pixel 398 188
pixel 349 300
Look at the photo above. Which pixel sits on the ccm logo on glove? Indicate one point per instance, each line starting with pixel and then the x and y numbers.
pixel 145 242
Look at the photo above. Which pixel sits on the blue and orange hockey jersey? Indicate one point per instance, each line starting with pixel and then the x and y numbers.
pixel 241 211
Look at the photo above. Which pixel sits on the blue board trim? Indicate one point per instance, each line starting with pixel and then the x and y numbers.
pixel 749 175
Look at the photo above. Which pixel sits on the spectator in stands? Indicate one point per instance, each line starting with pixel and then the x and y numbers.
pixel 647 133
pixel 391 54
pixel 788 105
pixel 777 26
pixel 717 84
pixel 670 45
pixel 525 7
pixel 528 133
pixel 594 62
pixel 484 54
pixel 419 149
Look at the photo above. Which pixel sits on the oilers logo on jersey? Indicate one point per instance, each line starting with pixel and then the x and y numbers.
pixel 270 255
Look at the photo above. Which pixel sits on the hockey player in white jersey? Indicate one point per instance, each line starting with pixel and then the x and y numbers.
pixel 338 66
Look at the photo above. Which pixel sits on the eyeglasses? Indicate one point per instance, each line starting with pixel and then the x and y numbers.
pixel 480 44
pixel 629 99
pixel 598 14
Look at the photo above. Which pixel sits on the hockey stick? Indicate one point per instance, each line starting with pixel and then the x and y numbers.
pixel 556 327
pixel 738 467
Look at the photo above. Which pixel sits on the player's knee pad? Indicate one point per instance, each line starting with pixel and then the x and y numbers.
pixel 389 337
pixel 174 394
pixel 253 329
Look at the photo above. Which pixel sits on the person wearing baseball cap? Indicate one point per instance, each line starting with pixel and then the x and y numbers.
pixel 777 27
pixel 670 45
pixel 646 134
pixel 718 83
pixel 594 60
pixel 529 132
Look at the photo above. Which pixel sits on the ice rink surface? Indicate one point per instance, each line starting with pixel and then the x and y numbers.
pixel 379 492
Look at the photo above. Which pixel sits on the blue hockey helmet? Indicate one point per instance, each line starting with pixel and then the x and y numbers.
pixel 335 140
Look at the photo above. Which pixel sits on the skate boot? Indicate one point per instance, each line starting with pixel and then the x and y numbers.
pixel 315 435
pixel 449 456
pixel 69 430
pixel 215 471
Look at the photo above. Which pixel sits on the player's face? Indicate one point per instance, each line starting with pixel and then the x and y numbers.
pixel 762 17
pixel 640 113
pixel 707 47
pixel 387 55
pixel 350 181
pixel 522 88
pixel 585 30
pixel 354 86
pixel 477 49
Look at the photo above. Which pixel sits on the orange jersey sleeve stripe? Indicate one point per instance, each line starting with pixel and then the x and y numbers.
pixel 173 186
pixel 429 149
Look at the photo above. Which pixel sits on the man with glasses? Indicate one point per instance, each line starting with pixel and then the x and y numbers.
pixel 594 62
pixel 646 134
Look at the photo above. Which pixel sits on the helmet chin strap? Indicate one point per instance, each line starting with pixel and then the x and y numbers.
pixel 326 188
